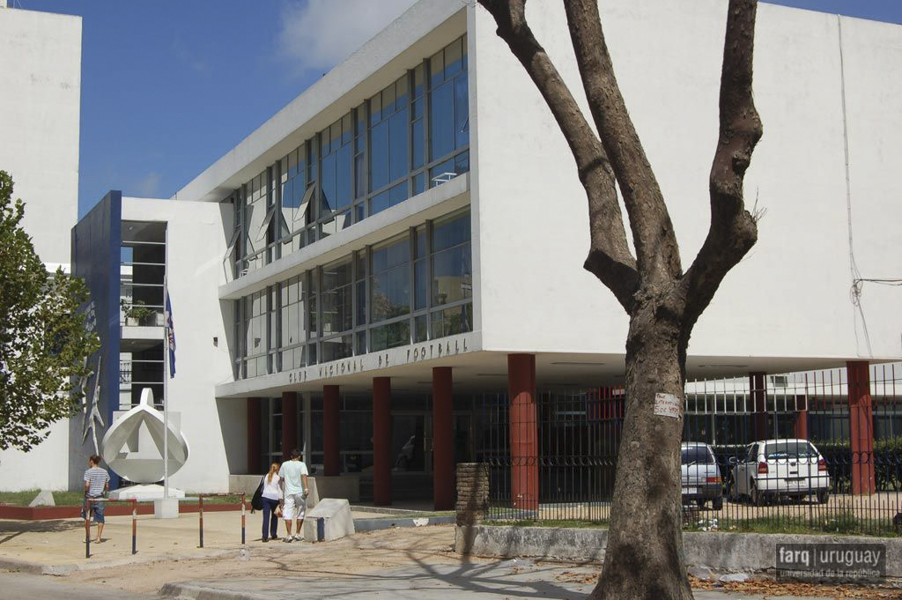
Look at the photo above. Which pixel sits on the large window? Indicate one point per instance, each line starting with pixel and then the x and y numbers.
pixel 256 339
pixel 412 288
pixel 412 135
pixel 293 328
pixel 338 311
pixel 296 192
pixel 256 223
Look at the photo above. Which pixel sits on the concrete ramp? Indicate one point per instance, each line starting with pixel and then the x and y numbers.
pixel 329 520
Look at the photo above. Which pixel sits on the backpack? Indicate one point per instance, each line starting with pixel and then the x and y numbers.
pixel 257 500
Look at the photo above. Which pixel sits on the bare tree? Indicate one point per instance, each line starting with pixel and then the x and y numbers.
pixel 644 551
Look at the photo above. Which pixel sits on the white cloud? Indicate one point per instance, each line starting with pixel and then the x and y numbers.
pixel 318 34
pixel 147 187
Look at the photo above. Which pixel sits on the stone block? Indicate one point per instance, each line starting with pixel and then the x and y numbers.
pixel 329 520
pixel 44 498
pixel 166 508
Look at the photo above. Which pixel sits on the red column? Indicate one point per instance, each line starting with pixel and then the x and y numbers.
pixel 289 423
pixel 382 441
pixel 521 382
pixel 442 439
pixel 331 447
pixel 861 427
pixel 758 393
pixel 253 436
pixel 801 425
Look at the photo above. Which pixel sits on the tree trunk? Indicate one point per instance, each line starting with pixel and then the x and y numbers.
pixel 644 556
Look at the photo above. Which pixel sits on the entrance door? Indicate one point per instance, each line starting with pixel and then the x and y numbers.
pixel 412 443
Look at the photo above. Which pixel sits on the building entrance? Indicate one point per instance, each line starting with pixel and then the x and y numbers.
pixel 412 455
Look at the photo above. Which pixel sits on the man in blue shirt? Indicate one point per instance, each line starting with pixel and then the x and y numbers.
pixel 97 483
pixel 294 493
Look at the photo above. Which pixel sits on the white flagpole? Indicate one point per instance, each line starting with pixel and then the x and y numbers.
pixel 166 333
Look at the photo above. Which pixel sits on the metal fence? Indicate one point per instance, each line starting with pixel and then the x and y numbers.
pixel 802 452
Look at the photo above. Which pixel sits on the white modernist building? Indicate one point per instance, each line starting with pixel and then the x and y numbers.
pixel 381 268
pixel 40 92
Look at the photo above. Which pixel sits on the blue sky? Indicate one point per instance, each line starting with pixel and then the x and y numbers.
pixel 169 87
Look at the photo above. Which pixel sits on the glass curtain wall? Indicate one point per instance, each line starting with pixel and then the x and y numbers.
pixel 411 288
pixel 412 135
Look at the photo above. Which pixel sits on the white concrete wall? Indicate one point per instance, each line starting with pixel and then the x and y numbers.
pixel 196 244
pixel 40 91
pixel 40 71
pixel 790 296
pixel 45 467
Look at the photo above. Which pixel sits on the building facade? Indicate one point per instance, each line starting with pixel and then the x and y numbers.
pixel 40 70
pixel 399 250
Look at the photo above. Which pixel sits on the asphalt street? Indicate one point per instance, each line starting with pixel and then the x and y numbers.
pixel 19 586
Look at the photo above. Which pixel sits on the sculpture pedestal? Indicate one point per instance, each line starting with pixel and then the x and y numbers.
pixel 166 508
pixel 144 492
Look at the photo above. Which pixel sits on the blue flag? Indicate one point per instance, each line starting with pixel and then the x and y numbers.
pixel 170 331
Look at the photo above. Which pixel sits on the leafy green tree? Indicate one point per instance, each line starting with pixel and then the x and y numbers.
pixel 43 340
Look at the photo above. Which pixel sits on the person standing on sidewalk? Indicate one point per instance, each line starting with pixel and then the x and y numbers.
pixel 294 488
pixel 97 484
pixel 272 497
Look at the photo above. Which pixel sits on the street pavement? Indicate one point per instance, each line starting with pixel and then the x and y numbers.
pixel 509 579
pixel 415 564
pixel 503 579
pixel 21 586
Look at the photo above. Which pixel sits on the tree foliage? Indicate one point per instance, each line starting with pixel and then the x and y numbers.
pixel 43 341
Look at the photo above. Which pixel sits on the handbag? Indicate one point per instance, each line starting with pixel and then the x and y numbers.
pixel 257 499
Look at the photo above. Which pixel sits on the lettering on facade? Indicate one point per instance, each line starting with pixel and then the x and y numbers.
pixel 436 350
pixel 380 361
pixel 297 376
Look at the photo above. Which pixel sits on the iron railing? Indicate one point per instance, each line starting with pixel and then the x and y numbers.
pixel 803 452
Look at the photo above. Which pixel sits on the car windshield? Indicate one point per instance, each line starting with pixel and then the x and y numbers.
pixel 790 450
pixel 694 455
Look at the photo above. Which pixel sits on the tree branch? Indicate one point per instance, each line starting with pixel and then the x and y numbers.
pixel 657 250
pixel 733 230
pixel 609 256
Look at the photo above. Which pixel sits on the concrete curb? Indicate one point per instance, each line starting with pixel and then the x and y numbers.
pixel 24 566
pixel 718 551
pixel 387 510
pixel 193 591
pixel 361 525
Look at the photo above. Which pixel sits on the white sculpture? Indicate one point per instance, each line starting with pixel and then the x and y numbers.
pixel 137 465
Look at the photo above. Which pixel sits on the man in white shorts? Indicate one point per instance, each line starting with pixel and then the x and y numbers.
pixel 294 494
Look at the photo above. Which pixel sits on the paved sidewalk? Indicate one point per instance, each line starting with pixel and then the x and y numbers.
pixel 57 547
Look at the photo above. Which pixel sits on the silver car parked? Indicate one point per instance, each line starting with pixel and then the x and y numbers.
pixel 700 475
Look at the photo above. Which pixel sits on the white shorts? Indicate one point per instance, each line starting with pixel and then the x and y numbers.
pixel 295 507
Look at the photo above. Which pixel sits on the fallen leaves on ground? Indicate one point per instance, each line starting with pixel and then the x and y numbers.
pixel 769 587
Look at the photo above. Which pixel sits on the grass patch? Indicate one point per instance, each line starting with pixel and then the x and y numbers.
pixel 76 498
pixel 844 523
pixel 25 498
pixel 230 499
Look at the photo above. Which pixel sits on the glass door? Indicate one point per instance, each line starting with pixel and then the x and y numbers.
pixel 412 443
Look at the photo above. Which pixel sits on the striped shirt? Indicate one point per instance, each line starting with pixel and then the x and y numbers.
pixel 96 478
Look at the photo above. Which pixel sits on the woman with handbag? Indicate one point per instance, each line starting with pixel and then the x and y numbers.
pixel 271 496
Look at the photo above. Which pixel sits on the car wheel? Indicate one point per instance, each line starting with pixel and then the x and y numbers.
pixel 823 495
pixel 717 503
pixel 700 502
pixel 755 496
pixel 733 492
